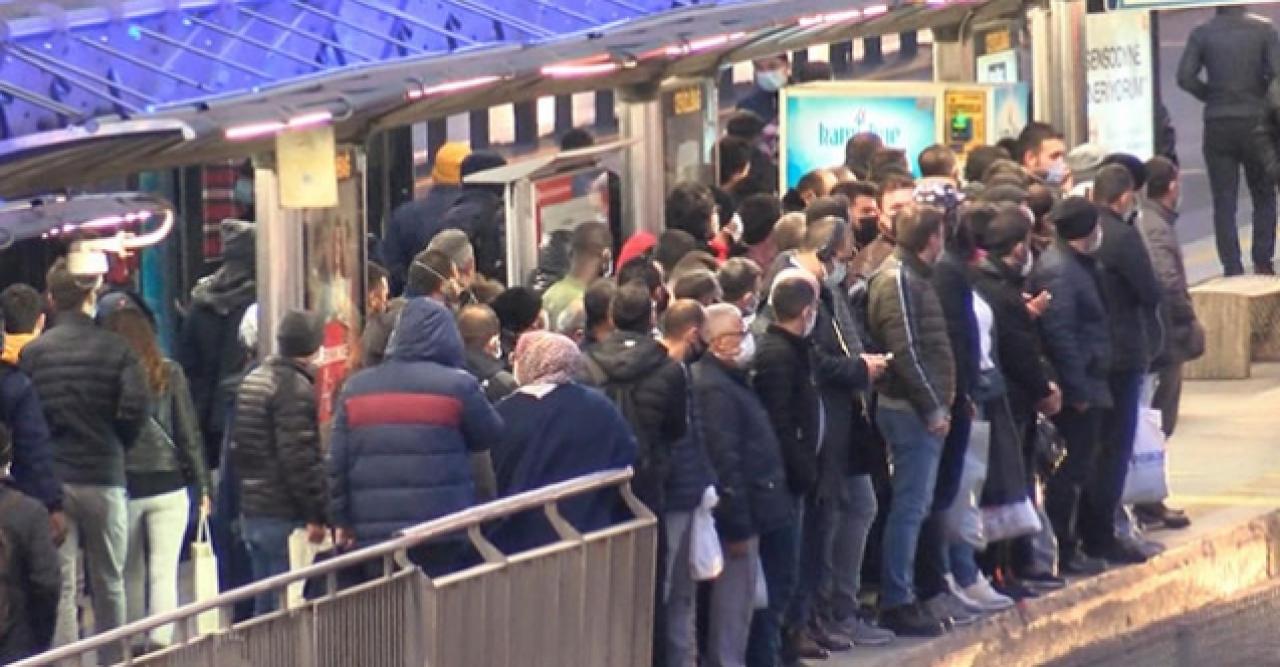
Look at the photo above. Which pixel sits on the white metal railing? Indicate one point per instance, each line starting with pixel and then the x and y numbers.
pixel 583 599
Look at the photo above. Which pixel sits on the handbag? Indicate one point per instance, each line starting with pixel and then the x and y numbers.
pixel 961 521
pixel 1005 522
pixel 1147 480
pixel 205 565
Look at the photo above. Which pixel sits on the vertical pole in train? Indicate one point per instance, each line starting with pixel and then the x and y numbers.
pixel 640 113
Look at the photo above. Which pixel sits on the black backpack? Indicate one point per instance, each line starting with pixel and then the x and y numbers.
pixel 623 395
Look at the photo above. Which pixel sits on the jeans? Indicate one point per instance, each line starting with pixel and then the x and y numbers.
pixel 1229 145
pixel 817 522
pixel 157 526
pixel 1063 490
pixel 915 453
pixel 98 522
pixel 842 571
pixel 779 554
pixel 267 539
pixel 964 563
pixel 680 595
pixel 733 596
pixel 1102 495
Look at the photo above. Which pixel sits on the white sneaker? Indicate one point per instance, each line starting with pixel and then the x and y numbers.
pixel 960 594
pixel 986 597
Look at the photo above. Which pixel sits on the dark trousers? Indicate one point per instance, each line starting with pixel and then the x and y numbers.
pixel 1102 494
pixel 1168 396
pixel 1228 146
pixel 1063 491
pixel 779 553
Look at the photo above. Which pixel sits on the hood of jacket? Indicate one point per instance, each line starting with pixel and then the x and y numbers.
pixel 626 357
pixel 426 332
pixel 233 285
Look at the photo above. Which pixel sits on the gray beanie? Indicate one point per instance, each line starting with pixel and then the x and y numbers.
pixel 301 333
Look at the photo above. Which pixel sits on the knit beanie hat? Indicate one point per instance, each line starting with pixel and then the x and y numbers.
pixel 448 164
pixel 301 333
pixel 1084 161
pixel 481 161
pixel 1075 218
pixel 517 309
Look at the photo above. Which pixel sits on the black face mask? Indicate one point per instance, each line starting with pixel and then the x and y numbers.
pixel 867 230
pixel 695 352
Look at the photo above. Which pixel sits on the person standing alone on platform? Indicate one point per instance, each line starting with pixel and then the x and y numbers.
pixel 1240 55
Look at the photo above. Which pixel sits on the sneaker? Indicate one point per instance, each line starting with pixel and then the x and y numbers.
pixel 986 597
pixel 1015 590
pixel 1080 565
pixel 865 633
pixel 957 591
pixel 1120 553
pixel 946 605
pixel 909 620
pixel 1043 581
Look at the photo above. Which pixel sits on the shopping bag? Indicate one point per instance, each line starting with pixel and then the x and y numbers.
pixel 205 565
pixel 961 521
pixel 1148 478
pixel 1005 522
pixel 761 598
pixel 302 553
pixel 706 560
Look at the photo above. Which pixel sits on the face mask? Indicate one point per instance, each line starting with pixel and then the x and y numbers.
pixel 1097 242
pixel 837 274
pixel 1057 174
pixel 771 81
pixel 1030 262
pixel 607 270
pixel 1177 201
pixel 810 321
pixel 867 231
pixel 495 348
pixel 746 351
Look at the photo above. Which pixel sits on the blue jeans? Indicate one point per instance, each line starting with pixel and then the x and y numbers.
pixel 964 564
pixel 914 453
pixel 267 539
pixel 779 555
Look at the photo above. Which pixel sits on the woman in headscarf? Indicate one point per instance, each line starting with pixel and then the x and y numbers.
pixel 556 430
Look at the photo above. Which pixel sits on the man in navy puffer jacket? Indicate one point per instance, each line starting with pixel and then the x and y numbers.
pixel 411 437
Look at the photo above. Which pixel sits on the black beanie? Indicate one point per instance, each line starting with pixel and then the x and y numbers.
pixel 481 161
pixel 301 333
pixel 1075 218
pixel 834 206
pixel 517 309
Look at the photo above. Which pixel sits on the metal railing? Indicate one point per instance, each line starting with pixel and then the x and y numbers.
pixel 586 598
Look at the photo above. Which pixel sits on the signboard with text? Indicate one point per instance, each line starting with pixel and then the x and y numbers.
pixel 1118 82
pixel 817 122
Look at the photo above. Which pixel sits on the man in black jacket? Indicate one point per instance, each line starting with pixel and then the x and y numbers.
pixel 1133 294
pixel 481 336
pixel 275 449
pixel 32 580
pixel 94 397
pixel 784 379
pixel 207 345
pixel 479 211
pixel 1240 54
pixel 1077 340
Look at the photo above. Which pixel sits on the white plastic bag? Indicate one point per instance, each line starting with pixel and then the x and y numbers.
pixel 302 553
pixel 1148 478
pixel 1005 522
pixel 205 565
pixel 761 598
pixel 961 521
pixel 706 560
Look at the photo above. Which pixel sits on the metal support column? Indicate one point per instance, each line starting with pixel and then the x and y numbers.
pixel 640 116
pixel 280 253
pixel 953 57
pixel 1057 64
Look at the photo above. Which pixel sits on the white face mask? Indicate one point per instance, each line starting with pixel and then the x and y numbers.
pixel 495 347
pixel 810 322
pixel 771 81
pixel 746 351
pixel 1028 264
pixel 1097 241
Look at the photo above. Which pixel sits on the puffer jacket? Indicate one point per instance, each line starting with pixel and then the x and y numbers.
pixel 657 385
pixel 411 227
pixel 842 381
pixel 94 397
pixel 496 382
pixel 1132 294
pixel 1075 328
pixel 32 446
pixel 170 440
pixel 479 212
pixel 691 471
pixel 1017 340
pixel 904 317
pixel 275 444
pixel 785 382
pixel 405 430
pixel 751 480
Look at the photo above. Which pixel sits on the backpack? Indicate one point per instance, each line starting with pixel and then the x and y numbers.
pixel 623 395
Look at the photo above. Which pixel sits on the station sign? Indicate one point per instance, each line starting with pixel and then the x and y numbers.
pixel 1120 90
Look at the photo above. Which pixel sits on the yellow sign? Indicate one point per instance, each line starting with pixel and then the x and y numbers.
pixel 965 119
pixel 687 100
pixel 307 168
pixel 997 40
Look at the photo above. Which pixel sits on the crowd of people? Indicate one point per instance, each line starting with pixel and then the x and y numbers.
pixel 811 367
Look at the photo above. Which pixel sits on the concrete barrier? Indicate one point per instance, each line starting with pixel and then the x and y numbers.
pixel 1190 575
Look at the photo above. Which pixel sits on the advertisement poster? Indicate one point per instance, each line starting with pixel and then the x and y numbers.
pixel 998 67
pixel 1011 110
pixel 819 122
pixel 965 112
pixel 1118 82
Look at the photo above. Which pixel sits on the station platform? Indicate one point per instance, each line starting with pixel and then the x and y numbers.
pixel 1225 470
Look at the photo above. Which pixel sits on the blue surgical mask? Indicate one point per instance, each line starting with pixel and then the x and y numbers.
pixel 837 274
pixel 1057 174
pixel 771 81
